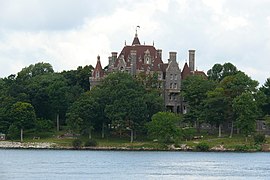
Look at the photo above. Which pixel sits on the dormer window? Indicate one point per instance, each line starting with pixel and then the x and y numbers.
pixel 147 57
pixel 147 60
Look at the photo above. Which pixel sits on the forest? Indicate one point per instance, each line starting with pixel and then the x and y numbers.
pixel 38 100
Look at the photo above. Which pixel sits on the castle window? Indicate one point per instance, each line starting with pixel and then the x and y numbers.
pixel 175 77
pixel 97 74
pixel 175 85
pixel 147 60
pixel 171 76
pixel 171 86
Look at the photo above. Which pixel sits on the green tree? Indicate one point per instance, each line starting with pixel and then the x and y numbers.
pixel 218 72
pixel 48 94
pixel 234 86
pixel 23 115
pixel 214 107
pixel 82 115
pixel 34 70
pixel 246 111
pixel 128 108
pixel 124 104
pixel 195 90
pixel 265 89
pixel 164 127
pixel 79 77
pixel 152 97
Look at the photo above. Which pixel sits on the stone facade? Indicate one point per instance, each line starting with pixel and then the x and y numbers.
pixel 137 58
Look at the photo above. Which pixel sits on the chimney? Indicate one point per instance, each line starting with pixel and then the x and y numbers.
pixel 159 53
pixel 114 57
pixel 191 57
pixel 133 64
pixel 110 61
pixel 172 56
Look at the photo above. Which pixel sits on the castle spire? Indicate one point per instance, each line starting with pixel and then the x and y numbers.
pixel 136 33
pixel 136 40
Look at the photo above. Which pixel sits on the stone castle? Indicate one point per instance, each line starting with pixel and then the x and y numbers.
pixel 137 58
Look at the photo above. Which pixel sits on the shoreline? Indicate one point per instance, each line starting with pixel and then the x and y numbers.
pixel 54 146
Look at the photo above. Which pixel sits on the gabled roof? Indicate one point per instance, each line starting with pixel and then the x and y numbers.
pixel 136 41
pixel 140 52
pixel 185 72
pixel 200 73
pixel 98 71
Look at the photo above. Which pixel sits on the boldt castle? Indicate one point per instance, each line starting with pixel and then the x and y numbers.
pixel 137 58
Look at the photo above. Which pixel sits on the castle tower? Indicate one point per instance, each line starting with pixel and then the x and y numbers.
pixel 191 57
pixel 97 74
pixel 133 65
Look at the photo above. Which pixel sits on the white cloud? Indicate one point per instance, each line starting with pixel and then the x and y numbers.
pixel 232 23
pixel 220 31
pixel 216 6
pixel 80 45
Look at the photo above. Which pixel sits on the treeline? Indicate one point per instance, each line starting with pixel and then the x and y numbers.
pixel 41 100
pixel 227 97
pixel 36 96
pixel 37 99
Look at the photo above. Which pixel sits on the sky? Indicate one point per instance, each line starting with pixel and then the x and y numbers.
pixel 72 33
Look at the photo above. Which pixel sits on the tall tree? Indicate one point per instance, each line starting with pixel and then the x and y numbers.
pixel 34 70
pixel 127 107
pixel 47 93
pixel 265 89
pixel 23 115
pixel 219 72
pixel 214 108
pixel 82 115
pixel 79 77
pixel 124 103
pixel 195 90
pixel 234 86
pixel 246 110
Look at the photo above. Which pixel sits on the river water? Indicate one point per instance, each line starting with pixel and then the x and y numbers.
pixel 68 164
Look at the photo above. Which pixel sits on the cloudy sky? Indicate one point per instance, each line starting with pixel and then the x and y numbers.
pixel 71 33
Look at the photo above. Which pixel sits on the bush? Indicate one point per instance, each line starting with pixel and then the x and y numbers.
pixel 90 143
pixel 188 133
pixel 77 143
pixel 259 138
pixel 43 125
pixel 13 132
pixel 202 147
pixel 241 148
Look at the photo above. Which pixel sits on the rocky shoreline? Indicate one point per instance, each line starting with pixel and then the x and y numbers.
pixel 19 145
pixel 54 146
